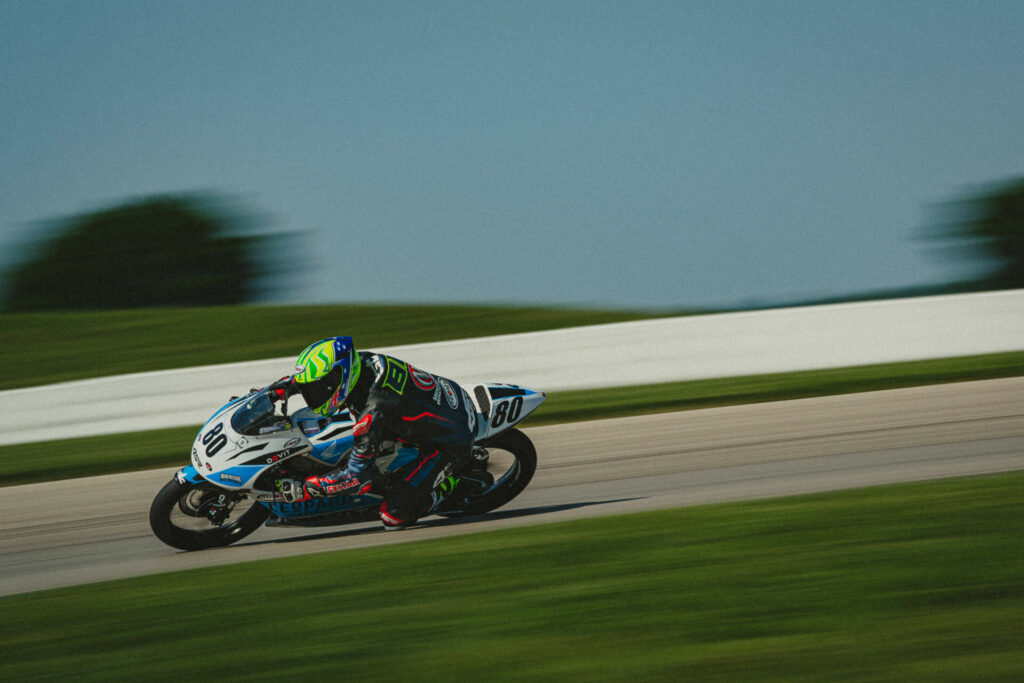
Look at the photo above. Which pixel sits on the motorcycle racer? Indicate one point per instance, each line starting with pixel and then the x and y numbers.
pixel 390 401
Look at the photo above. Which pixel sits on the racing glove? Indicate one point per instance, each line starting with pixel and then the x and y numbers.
pixel 281 389
pixel 356 478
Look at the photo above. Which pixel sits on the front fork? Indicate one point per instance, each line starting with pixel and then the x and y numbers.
pixel 213 504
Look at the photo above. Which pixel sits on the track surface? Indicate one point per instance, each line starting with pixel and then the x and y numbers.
pixel 85 530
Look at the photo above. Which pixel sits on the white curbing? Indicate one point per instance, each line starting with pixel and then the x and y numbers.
pixel 618 354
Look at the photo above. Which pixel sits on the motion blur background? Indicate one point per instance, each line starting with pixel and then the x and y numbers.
pixel 656 155
pixel 576 162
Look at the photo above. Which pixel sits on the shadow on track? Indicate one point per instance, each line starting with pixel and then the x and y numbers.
pixel 513 514
pixel 432 522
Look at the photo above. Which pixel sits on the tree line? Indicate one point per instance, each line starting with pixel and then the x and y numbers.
pixel 159 251
pixel 190 251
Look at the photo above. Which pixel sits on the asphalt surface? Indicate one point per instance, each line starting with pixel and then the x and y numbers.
pixel 85 530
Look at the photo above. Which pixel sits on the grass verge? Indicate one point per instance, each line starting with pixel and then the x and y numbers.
pixel 908 582
pixel 34 346
pixel 28 463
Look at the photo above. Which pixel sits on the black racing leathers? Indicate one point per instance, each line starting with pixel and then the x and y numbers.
pixel 393 401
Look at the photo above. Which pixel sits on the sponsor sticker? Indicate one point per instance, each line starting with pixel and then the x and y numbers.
pixel 449 393
pixel 422 380
pixel 395 375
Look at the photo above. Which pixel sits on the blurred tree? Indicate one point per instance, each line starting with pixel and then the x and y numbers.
pixel 990 222
pixel 161 251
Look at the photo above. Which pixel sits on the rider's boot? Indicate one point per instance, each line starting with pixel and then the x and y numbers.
pixel 442 492
pixel 403 507
pixel 407 506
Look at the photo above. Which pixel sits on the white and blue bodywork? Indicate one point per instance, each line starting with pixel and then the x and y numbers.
pixel 245 438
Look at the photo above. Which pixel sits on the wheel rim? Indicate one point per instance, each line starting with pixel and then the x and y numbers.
pixel 204 510
pixel 501 464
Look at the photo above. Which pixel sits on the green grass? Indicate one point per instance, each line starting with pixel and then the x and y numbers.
pixel 920 582
pixel 42 348
pixel 28 463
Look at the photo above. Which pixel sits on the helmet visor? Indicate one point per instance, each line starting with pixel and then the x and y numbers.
pixel 318 393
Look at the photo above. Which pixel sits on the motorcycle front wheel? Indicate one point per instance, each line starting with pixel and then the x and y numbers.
pixel 197 516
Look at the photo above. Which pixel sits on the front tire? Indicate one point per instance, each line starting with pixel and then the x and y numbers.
pixel 509 481
pixel 179 516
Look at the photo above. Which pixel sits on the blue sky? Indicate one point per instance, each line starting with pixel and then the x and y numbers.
pixel 603 154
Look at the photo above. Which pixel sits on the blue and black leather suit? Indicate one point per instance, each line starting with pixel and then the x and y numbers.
pixel 394 402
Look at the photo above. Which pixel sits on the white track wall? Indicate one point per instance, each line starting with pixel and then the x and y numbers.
pixel 645 352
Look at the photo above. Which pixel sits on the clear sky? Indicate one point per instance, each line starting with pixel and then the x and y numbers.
pixel 604 154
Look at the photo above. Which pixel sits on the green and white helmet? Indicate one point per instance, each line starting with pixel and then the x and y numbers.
pixel 326 372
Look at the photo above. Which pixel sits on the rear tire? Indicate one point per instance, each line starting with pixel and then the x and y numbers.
pixel 507 485
pixel 174 498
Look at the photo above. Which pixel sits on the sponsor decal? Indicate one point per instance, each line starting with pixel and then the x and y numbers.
pixel 293 443
pixel 326 453
pixel 312 507
pixel 378 366
pixel 231 477
pixel 422 380
pixel 449 393
pixel 395 375
pixel 279 427
pixel 271 459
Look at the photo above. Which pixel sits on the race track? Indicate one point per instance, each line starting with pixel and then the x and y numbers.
pixel 85 530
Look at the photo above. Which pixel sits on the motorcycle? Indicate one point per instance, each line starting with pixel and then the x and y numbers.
pixel 228 490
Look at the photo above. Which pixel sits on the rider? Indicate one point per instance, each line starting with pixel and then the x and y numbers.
pixel 389 400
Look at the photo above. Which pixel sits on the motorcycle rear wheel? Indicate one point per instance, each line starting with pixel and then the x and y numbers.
pixel 178 516
pixel 512 462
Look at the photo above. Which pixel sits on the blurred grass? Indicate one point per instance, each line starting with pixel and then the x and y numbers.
pixel 42 348
pixel 917 582
pixel 42 461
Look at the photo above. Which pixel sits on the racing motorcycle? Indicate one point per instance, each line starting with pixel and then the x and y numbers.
pixel 228 491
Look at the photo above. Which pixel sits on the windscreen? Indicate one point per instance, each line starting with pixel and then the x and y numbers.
pixel 255 413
